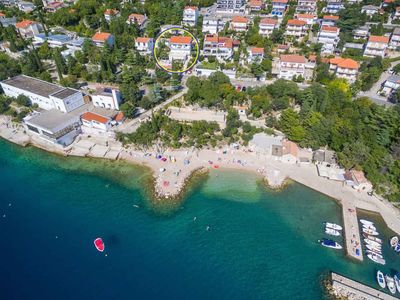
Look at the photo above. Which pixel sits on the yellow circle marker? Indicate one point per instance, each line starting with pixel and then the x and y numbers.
pixel 196 45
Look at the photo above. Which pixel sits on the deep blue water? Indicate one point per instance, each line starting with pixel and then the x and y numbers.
pixel 260 244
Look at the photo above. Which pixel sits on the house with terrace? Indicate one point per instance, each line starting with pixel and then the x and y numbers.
pixel 239 23
pixel 296 28
pixel 111 14
pixel 291 65
pixel 267 26
pixel 328 36
pixel 137 19
pixel 220 47
pixel 190 16
pixel 376 46
pixel 144 45
pixel 279 8
pixel 346 68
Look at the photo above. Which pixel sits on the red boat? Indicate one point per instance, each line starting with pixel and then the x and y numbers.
pixel 99 244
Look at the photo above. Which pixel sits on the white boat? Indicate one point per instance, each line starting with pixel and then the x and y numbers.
pixel 373 249
pixel 333 226
pixel 377 255
pixel 330 244
pixel 381 279
pixel 332 232
pixel 394 241
pixel 375 258
pixel 397 281
pixel 372 238
pixel 372 243
pixel 390 284
pixel 372 227
pixel 369 231
pixel 366 222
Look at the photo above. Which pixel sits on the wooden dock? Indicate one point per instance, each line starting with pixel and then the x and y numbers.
pixel 352 232
pixel 345 287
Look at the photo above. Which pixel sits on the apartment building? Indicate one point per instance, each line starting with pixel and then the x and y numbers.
pixel 255 54
pixel 291 65
pixel 28 28
pixel 376 46
pixel 144 45
pixel 239 23
pixel 346 68
pixel 306 6
pixel 230 6
pixel 395 39
pixel 329 20
pixel 256 5
pixel 279 8
pixel 190 16
pixel 267 26
pixel 220 47
pixel 296 28
pixel 180 47
pixel 328 36
pixel 310 19
pixel 212 25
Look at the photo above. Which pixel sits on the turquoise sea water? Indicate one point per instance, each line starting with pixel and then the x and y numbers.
pixel 260 244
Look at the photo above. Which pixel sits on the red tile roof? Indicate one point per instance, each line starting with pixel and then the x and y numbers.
pixel 212 38
pixel 329 28
pixel 191 8
pixel 143 39
pixel 346 63
pixel 296 22
pixel 2 14
pixel 119 117
pixel 378 39
pixel 89 116
pixel 24 23
pixel 100 36
pixel 137 18
pixel 256 3
pixel 240 19
pixel 305 16
pixel 331 17
pixel 289 147
pixel 256 50
pixel 111 12
pixel 293 58
pixel 280 1
pixel 269 21
pixel 180 39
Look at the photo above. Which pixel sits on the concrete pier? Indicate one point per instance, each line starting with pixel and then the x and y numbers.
pixel 352 231
pixel 350 289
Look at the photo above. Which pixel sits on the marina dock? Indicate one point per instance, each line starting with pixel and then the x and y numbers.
pixel 345 287
pixel 352 232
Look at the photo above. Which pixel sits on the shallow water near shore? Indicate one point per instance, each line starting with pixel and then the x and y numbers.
pixel 259 244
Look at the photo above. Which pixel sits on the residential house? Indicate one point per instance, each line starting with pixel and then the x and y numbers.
pixel 361 33
pixel 190 16
pixel 102 38
pixel 28 28
pixel 230 6
pixel 26 7
pixel 137 19
pixel 144 45
pixel 346 68
pixel 329 20
pixel 111 14
pixel 220 47
pixel 290 152
pixel 180 47
pixel 306 6
pixel 279 8
pixel 310 19
pixel 391 84
pixel 239 23
pixel 356 179
pixel 291 65
pixel 395 39
pixel 328 36
pixel 96 121
pixel 370 10
pixel 52 7
pixel 267 26
pixel 396 15
pixel 5 22
pixel 256 5
pixel 212 25
pixel 256 54
pixel 108 98
pixel 296 28
pixel 376 46
pixel 263 143
pixel 333 7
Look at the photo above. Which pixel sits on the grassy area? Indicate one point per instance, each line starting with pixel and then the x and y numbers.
pixel 208 65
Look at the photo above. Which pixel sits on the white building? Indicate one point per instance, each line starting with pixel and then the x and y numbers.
pixel 296 28
pixel 306 6
pixel 190 16
pixel 230 6
pixel 111 14
pixel 107 98
pixel 93 120
pixel 26 7
pixel 333 7
pixel 361 32
pixel 138 19
pixel 396 14
pixel 370 10
pixel 279 8
pixel 28 28
pixel 376 46
pixel 328 36
pixel 346 68
pixel 267 26
pixel 310 19
pixel 212 25
pixel 144 45
pixel 395 39
pixel 256 5
pixel 391 84
pixel 46 95
pixel 102 38
pixel 291 65
pixel 256 54
pixel 329 20
pixel 180 47
pixel 220 47
pixel 239 23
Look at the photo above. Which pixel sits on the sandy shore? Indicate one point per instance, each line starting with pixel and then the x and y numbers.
pixel 172 171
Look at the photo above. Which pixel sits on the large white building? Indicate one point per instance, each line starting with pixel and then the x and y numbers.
pixel 395 39
pixel 230 6
pixel 212 25
pixel 296 28
pixel 239 23
pixel 279 8
pixel 346 68
pixel 144 45
pixel 46 95
pixel 267 26
pixel 376 46
pixel 328 36
pixel 306 6
pixel 220 47
pixel 190 16
pixel 107 98
pixel 291 65
pixel 180 47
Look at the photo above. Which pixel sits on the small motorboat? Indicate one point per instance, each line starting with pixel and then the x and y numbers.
pixel 375 258
pixel 372 243
pixel 377 255
pixel 373 249
pixel 333 226
pixel 332 232
pixel 366 222
pixel 394 241
pixel 372 238
pixel 330 244
pixel 381 279
pixel 372 227
pixel 99 244
pixel 390 284
pixel 397 281
pixel 397 248
pixel 369 231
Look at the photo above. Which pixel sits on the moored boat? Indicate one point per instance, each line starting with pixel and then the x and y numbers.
pixel 372 238
pixel 394 241
pixel 375 258
pixel 366 222
pixel 371 227
pixel 397 281
pixel 381 279
pixel 372 243
pixel 397 248
pixel 333 226
pixel 369 231
pixel 330 244
pixel 99 244
pixel 390 284
pixel 373 249
pixel 332 232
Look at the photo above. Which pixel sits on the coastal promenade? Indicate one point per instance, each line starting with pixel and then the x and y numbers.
pixel 353 290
